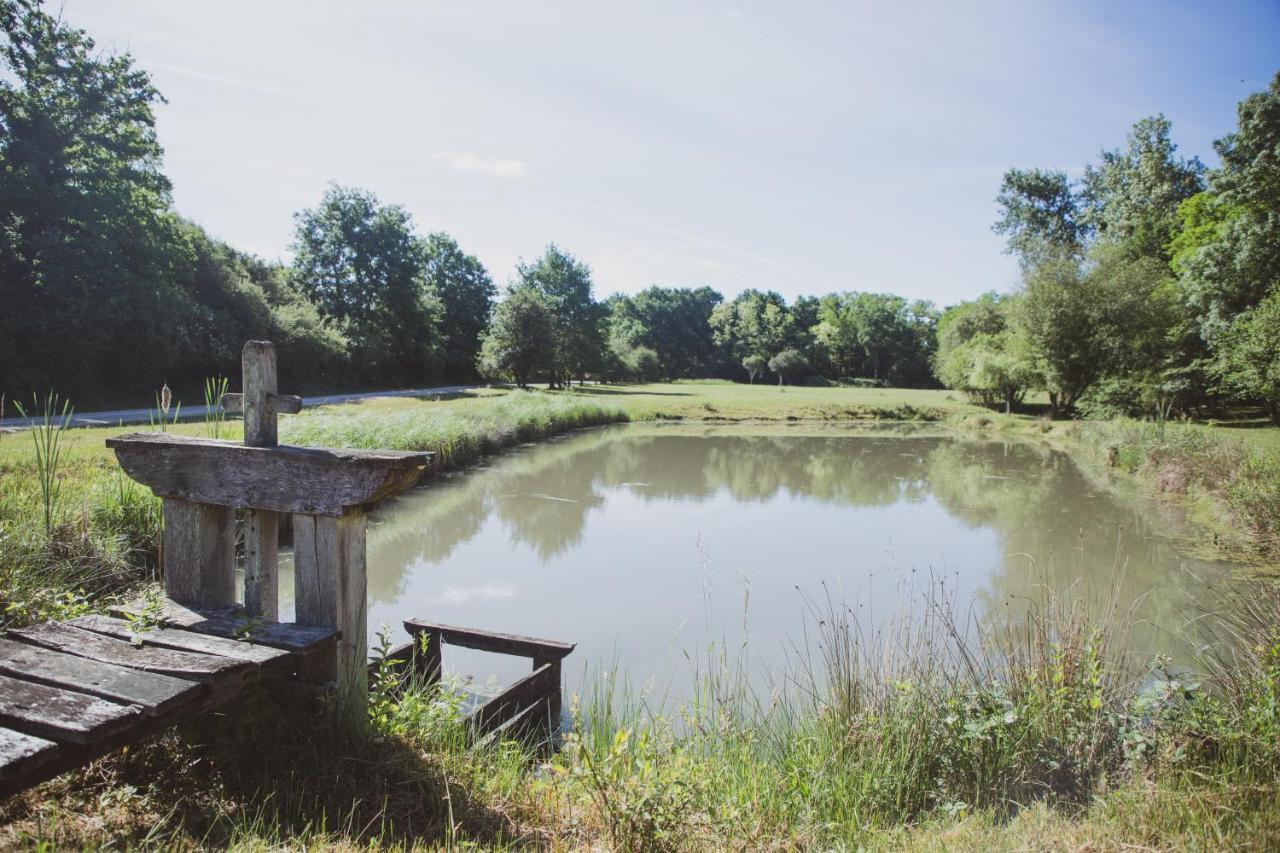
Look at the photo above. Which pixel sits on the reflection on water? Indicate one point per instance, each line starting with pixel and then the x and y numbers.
pixel 644 545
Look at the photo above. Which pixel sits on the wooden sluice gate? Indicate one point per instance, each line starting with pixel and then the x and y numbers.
pixel 75 690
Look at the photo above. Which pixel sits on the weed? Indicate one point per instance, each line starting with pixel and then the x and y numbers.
pixel 46 437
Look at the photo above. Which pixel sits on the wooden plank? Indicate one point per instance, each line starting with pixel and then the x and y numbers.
pixel 526 726
pixel 491 641
pixel 20 754
pixel 283 404
pixel 183 640
pixel 148 658
pixel 155 694
pixel 306 480
pixel 331 591
pixel 536 687
pixel 235 623
pixel 261 563
pixel 199 553
pixel 61 715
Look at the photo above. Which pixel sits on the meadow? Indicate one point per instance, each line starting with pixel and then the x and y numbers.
pixel 1045 734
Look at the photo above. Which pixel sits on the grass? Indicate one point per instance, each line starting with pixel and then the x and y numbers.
pixel 928 735
pixel 933 735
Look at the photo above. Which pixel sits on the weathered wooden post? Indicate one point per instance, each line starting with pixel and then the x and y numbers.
pixel 328 492
pixel 260 404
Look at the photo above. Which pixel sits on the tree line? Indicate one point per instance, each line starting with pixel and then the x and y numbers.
pixel 1148 286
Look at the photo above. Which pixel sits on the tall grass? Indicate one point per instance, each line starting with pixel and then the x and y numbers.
pixel 928 719
pixel 46 438
pixel 215 417
pixel 1237 483
pixel 457 435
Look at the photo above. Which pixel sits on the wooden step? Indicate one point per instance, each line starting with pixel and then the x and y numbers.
pixel 155 694
pixel 61 715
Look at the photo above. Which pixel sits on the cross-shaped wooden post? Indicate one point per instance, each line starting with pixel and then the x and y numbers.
pixel 260 404
pixel 328 492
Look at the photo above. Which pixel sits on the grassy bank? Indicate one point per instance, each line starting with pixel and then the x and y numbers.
pixel 100 536
pixel 1041 734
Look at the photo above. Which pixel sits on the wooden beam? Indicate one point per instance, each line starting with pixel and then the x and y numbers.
pixel 281 404
pixel 198 553
pixel 491 641
pixel 258 366
pixel 261 563
pixel 535 688
pixel 330 591
pixel 306 480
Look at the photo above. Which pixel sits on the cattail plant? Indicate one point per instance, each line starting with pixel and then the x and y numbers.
pixel 164 400
pixel 46 436
pixel 214 415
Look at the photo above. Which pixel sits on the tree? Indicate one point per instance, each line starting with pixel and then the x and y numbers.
pixel 365 269
pixel 1081 322
pixel 84 230
pixel 564 283
pixel 1133 195
pixel 466 294
pixel 521 339
pixel 754 365
pixel 754 323
pixel 789 362
pixel 1040 215
pixel 1228 254
pixel 979 354
pixel 673 322
pixel 1251 359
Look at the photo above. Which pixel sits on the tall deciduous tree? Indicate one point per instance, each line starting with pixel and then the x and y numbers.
pixel 366 270
pixel 754 324
pixel 83 201
pixel 466 293
pixel 521 340
pixel 1132 196
pixel 1040 215
pixel 564 282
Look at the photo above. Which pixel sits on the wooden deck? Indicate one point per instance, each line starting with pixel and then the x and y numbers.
pixel 75 690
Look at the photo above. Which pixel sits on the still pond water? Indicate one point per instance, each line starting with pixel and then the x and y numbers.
pixel 644 545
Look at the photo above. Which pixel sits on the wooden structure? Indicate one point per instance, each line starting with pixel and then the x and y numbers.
pixel 204 482
pixel 74 690
pixel 529 708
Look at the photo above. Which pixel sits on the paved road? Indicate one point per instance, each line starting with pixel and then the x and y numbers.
pixel 142 416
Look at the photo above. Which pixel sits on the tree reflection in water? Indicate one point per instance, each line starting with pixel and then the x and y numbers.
pixel 595 537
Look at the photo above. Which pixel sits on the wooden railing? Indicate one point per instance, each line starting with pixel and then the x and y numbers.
pixel 529 708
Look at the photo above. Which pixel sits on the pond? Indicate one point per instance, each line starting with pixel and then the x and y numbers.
pixel 649 545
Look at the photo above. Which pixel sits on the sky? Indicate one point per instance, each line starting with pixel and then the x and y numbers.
pixel 799 147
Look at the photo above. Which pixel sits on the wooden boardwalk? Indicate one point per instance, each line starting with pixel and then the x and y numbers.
pixel 75 690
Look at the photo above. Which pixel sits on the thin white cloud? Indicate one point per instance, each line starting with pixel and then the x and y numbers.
pixel 495 167
pixel 466 594
pixel 218 78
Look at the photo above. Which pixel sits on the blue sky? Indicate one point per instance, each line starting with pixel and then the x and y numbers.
pixel 800 147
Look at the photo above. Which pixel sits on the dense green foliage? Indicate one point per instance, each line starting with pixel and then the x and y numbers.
pixel 1150 285
pixel 108 293
pixel 1150 288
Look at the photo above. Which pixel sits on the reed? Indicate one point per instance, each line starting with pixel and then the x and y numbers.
pixel 54 417
pixel 215 417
